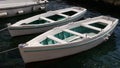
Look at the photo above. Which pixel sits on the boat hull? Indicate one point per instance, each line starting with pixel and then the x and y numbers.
pixel 14 11
pixel 33 54
pixel 17 31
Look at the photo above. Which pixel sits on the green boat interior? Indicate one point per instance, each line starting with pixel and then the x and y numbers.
pixel 39 21
pixel 69 13
pixel 65 36
pixel 69 37
pixel 48 41
pixel 85 30
pixel 42 21
pixel 55 17
pixel 99 25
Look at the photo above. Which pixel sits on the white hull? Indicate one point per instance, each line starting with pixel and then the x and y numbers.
pixel 33 54
pixel 36 53
pixel 18 10
pixel 17 31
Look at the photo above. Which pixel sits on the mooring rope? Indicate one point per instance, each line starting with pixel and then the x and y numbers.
pixel 8 50
pixel 3 29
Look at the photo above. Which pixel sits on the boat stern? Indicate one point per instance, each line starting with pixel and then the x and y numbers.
pixel 80 8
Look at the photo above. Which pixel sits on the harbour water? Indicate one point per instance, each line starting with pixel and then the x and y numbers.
pixel 105 55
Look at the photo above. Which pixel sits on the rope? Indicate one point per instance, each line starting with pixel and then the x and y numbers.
pixel 8 50
pixel 3 29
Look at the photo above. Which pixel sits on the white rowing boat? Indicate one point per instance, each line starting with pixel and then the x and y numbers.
pixel 46 21
pixel 68 39
pixel 17 7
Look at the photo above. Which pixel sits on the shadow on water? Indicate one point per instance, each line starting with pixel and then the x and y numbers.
pixel 106 55
pixel 98 6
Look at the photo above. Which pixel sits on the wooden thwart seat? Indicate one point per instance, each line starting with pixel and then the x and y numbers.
pixel 47 19
pixel 92 27
pixel 63 15
pixel 73 32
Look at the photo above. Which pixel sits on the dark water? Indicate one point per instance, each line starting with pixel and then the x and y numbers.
pixel 106 55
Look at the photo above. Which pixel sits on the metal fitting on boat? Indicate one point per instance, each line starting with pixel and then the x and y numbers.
pixel 71 23
pixel 106 38
pixel 86 36
pixel 108 35
pixel 43 1
pixel 80 8
pixel 22 45
pixel 9 24
pixel 3 14
pixel 42 7
pixel 20 12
